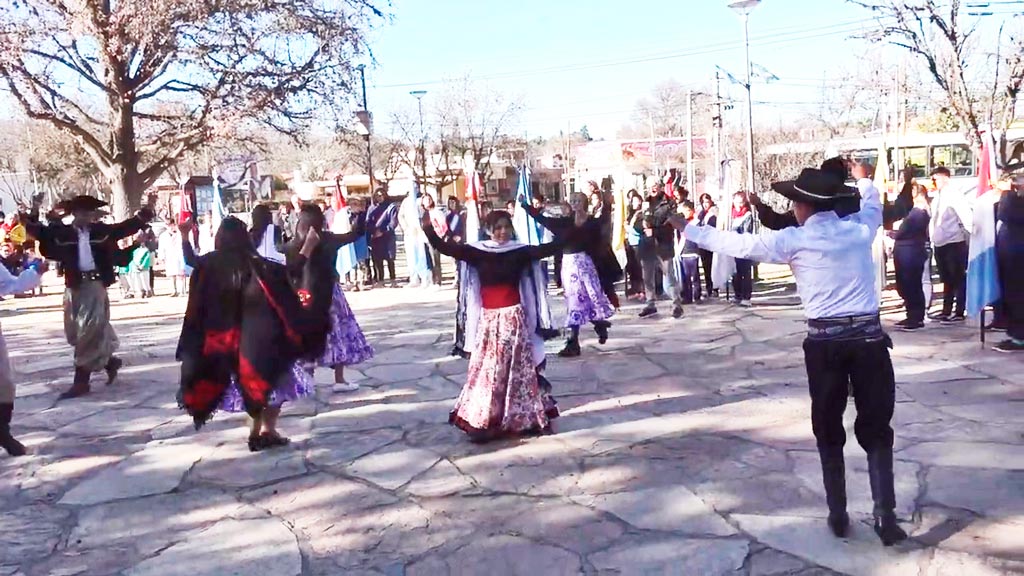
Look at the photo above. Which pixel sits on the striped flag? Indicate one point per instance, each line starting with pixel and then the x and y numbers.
pixel 217 207
pixel 878 247
pixel 982 271
pixel 345 261
pixel 527 230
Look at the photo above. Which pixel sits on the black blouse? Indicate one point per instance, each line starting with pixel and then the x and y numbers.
pixel 587 237
pixel 494 268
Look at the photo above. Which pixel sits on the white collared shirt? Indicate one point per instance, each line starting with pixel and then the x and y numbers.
pixel 86 263
pixel 830 257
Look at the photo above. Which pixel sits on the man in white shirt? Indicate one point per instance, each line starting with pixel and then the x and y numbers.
pixel 845 347
pixel 948 232
pixel 10 284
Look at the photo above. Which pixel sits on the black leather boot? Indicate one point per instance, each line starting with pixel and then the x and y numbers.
pixel 572 348
pixel 833 473
pixel 113 366
pixel 80 387
pixel 883 492
pixel 12 446
pixel 601 329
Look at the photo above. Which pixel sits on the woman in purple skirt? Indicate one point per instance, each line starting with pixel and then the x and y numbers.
pixel 319 287
pixel 585 297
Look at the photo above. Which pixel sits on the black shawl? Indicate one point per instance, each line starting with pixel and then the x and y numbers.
pixel 243 321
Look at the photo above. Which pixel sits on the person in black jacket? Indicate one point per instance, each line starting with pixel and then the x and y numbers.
pixel 1010 258
pixel 657 249
pixel 773 220
pixel 910 251
pixel 87 250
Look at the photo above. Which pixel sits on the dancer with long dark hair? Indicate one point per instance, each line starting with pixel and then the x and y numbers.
pixel 316 275
pixel 243 335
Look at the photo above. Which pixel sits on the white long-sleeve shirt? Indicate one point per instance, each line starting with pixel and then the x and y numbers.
pixel 950 218
pixel 830 257
pixel 10 284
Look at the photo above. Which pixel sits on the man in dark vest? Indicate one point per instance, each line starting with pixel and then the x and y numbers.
pixel 87 250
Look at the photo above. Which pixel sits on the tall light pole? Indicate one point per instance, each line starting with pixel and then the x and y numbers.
pixel 419 94
pixel 369 129
pixel 743 8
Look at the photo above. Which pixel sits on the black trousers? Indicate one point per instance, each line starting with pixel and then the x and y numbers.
pixel 634 272
pixel 910 260
pixel 1010 256
pixel 706 257
pixel 952 262
pixel 378 268
pixel 836 367
pixel 743 279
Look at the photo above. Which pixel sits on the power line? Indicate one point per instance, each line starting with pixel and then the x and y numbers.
pixel 761 40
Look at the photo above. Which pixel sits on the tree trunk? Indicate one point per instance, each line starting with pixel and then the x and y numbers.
pixel 125 196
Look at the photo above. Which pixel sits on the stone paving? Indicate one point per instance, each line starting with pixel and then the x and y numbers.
pixel 684 448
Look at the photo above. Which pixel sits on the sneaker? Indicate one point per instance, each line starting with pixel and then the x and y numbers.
pixel 938 315
pixel 996 327
pixel 911 326
pixel 903 323
pixel 746 303
pixel 345 387
pixel 677 312
pixel 1009 345
pixel 953 319
pixel 648 311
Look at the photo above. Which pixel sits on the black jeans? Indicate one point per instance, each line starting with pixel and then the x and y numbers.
pixel 706 257
pixel 1010 256
pixel 952 263
pixel 743 279
pixel 634 272
pixel 833 368
pixel 910 260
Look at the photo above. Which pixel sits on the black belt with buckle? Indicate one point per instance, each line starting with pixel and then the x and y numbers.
pixel 90 275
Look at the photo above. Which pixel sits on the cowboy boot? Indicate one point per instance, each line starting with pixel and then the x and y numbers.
pixel 80 387
pixel 833 473
pixel 12 446
pixel 883 492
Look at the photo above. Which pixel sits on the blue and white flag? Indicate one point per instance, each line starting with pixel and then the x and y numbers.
pixel 982 270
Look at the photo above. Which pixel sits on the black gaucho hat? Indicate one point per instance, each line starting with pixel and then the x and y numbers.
pixel 80 204
pixel 815 186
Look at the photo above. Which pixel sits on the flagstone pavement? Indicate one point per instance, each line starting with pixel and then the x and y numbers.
pixel 684 448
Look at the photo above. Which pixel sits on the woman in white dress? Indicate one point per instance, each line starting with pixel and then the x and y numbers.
pixel 173 259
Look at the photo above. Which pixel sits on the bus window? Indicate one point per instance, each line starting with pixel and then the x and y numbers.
pixel 957 157
pixel 916 158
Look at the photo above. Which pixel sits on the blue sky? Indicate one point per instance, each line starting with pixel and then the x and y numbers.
pixel 588 62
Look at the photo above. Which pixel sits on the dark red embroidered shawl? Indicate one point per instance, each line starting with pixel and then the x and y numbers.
pixel 243 321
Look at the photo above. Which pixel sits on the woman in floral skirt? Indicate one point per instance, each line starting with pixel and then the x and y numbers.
pixel 585 297
pixel 502 396
pixel 317 278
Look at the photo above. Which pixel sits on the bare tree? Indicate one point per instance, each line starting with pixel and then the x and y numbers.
pixel 938 33
pixel 468 124
pixel 138 83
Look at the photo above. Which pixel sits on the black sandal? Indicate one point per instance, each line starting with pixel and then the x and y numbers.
pixel 256 443
pixel 274 440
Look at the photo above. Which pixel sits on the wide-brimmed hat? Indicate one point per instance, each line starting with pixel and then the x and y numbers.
pixel 80 204
pixel 815 186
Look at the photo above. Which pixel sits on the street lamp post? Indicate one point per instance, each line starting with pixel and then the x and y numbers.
pixel 366 109
pixel 419 94
pixel 743 8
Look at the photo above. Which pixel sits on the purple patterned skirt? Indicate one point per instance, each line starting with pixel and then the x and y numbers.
pixel 296 383
pixel 584 297
pixel 346 344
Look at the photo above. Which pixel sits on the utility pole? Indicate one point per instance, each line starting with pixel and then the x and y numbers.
pixel 743 8
pixel 369 129
pixel 691 172
pixel 654 149
pixel 419 94
pixel 718 130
